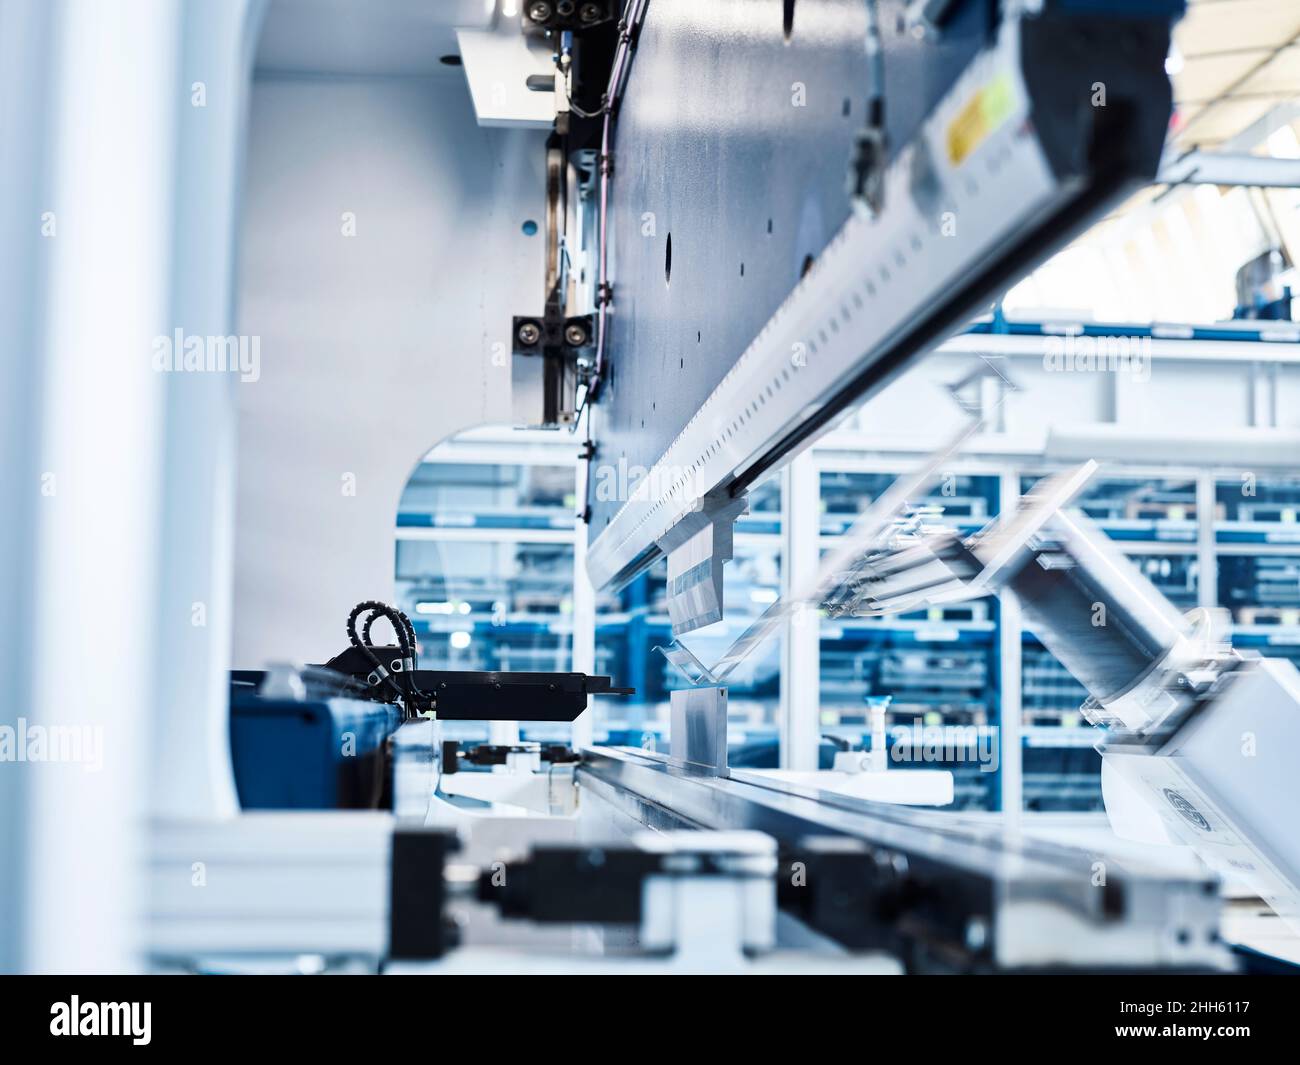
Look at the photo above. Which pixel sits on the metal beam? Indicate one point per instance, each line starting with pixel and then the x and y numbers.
pixel 960 219
pixel 1199 167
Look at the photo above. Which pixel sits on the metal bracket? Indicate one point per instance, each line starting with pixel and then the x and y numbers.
pixel 698 723
pixel 697 547
pixel 552 333
pixel 561 342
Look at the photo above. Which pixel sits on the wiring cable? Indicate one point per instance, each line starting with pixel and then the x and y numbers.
pixel 404 631
pixel 373 607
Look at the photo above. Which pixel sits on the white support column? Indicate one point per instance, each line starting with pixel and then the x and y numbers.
pixel 800 707
pixel 1263 394
pixel 27 100
pixel 1010 654
pixel 1207 559
pixel 95 411
pixel 192 772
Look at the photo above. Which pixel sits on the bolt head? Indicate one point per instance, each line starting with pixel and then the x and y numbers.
pixel 575 335
pixel 540 11
pixel 529 334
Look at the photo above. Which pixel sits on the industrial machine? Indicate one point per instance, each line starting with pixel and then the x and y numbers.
pixel 753 216
pixel 717 288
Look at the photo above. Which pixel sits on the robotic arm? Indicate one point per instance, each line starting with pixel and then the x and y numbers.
pixel 1196 738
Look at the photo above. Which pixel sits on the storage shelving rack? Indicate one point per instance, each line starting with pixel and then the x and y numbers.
pixel 938 667
pixel 1207 534
pixel 1257 553
pixel 1152 517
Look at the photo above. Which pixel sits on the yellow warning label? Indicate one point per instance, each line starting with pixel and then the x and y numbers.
pixel 985 112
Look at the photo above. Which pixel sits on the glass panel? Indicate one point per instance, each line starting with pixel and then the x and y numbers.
pixel 489 606
pixel 938 667
pixel 499 594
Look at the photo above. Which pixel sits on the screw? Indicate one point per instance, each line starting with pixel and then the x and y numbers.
pixel 575 335
pixel 529 334
pixel 590 12
pixel 539 12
